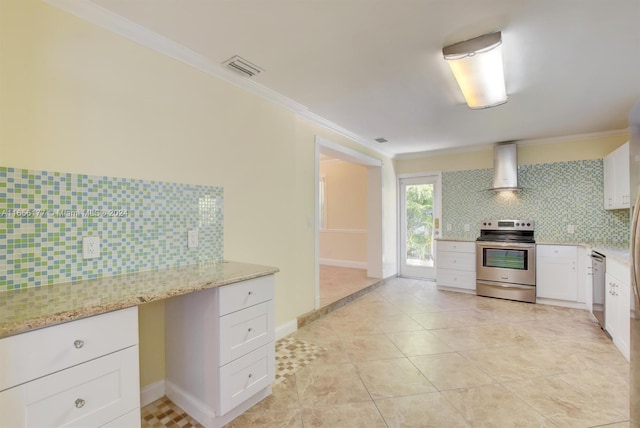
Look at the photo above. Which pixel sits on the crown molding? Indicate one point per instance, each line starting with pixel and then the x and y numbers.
pixel 574 137
pixel 442 152
pixel 319 120
pixel 525 142
pixel 117 24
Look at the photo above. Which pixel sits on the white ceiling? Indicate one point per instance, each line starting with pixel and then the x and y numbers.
pixel 375 67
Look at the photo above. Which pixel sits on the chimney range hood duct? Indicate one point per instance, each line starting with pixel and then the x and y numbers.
pixel 505 167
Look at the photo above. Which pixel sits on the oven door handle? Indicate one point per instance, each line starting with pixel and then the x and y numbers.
pixel 505 244
pixel 505 285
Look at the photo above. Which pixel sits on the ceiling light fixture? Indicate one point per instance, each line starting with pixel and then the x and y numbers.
pixel 477 66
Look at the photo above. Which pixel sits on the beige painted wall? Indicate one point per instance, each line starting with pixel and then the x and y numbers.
pixel 389 193
pixel 343 247
pixel 346 194
pixel 345 237
pixel 528 154
pixel 77 98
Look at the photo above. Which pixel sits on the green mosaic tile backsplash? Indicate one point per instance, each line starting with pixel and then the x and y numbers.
pixel 554 195
pixel 142 225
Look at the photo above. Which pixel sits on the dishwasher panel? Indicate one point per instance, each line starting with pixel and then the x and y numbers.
pixel 598 307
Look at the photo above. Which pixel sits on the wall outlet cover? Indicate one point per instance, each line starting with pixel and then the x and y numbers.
pixel 90 247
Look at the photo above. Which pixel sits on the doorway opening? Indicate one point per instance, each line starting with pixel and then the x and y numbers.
pixel 349 222
pixel 420 213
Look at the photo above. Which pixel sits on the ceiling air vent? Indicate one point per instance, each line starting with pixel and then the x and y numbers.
pixel 381 140
pixel 242 66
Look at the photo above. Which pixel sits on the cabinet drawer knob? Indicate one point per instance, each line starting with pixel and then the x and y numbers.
pixel 250 293
pixel 250 329
pixel 250 375
pixel 78 343
pixel 80 403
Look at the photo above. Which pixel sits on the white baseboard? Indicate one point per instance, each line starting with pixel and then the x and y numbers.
pixel 203 413
pixel 286 329
pixel 344 263
pixel 563 303
pixel 192 406
pixel 151 393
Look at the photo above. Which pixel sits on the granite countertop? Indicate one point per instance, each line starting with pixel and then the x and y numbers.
pixel 619 251
pixel 30 308
pixel 458 239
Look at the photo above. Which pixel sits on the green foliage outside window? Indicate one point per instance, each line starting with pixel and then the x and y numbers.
pixel 419 222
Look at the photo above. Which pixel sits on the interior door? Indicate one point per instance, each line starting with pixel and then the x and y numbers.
pixel 419 225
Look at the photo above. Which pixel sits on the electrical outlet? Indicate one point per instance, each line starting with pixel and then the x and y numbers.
pixel 466 227
pixel 448 227
pixel 90 247
pixel 571 228
pixel 192 238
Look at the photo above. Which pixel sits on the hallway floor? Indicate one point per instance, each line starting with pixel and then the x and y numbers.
pixel 338 282
pixel 407 354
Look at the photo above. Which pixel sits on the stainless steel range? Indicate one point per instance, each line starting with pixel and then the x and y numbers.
pixel 506 260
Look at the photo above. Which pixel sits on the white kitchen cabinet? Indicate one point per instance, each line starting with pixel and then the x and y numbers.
pixel 618 305
pixel 79 374
pixel 616 179
pixel 456 265
pixel 220 350
pixel 557 272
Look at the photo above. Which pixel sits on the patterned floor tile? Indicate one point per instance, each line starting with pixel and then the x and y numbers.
pixel 291 355
pixel 164 413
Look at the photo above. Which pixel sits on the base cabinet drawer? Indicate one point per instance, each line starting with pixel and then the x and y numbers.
pixel 229 333
pixel 243 331
pixel 241 295
pixel 618 306
pixel 457 246
pixel 65 345
pixel 456 261
pixel 461 261
pixel 245 376
pixel 91 394
pixel 130 420
pixel 457 278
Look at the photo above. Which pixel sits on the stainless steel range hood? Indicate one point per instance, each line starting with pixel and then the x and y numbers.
pixel 505 167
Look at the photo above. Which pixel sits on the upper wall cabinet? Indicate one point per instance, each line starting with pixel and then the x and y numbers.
pixel 616 179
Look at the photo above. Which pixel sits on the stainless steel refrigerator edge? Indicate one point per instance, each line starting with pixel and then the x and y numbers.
pixel 634 155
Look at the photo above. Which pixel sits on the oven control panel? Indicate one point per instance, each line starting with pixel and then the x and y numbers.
pixel 507 225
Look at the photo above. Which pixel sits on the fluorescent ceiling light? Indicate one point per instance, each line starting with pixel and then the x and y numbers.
pixel 477 66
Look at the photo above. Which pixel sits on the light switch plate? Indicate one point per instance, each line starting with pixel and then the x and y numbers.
pixel 90 247
pixel 192 238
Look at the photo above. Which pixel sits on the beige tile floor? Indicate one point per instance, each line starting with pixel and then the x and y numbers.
pixel 338 282
pixel 408 355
